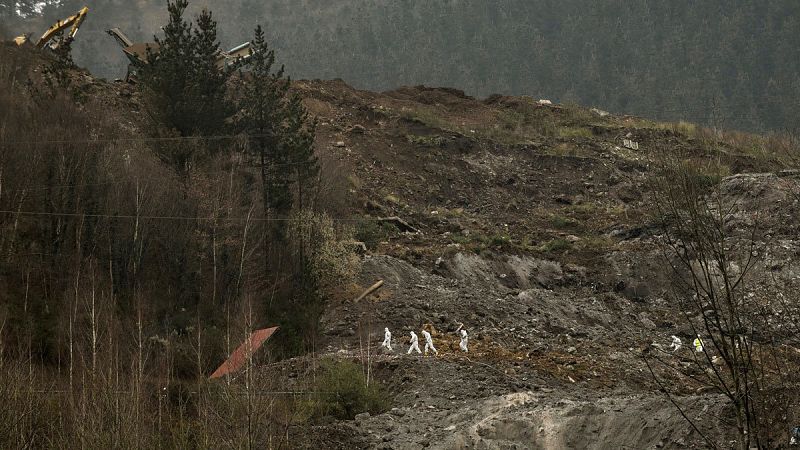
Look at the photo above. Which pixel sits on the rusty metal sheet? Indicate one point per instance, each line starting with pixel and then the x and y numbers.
pixel 245 351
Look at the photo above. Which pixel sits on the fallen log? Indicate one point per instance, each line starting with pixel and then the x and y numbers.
pixel 401 224
pixel 369 291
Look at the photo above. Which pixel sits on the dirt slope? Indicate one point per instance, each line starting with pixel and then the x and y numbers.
pixel 533 235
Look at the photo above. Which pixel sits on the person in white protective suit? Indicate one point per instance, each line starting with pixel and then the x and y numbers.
pixel 464 339
pixel 676 343
pixel 698 345
pixel 429 343
pixel 387 339
pixel 414 343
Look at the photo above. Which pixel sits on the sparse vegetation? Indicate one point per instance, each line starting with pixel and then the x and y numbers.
pixel 426 141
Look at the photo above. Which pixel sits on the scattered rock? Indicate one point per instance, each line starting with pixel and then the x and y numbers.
pixel 358 129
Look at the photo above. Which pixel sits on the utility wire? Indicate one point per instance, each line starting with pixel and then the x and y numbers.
pixel 198 218
pixel 141 139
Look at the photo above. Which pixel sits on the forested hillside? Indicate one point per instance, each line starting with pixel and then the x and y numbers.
pixel 725 63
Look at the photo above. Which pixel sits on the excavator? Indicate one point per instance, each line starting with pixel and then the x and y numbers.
pixel 48 38
pixel 137 53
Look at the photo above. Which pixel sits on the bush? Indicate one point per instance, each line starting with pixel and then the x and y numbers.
pixel 561 222
pixel 326 247
pixel 372 233
pixel 345 392
pixel 556 245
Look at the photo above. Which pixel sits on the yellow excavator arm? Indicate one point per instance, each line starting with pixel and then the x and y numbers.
pixel 74 21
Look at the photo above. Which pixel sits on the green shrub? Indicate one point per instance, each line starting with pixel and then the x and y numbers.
pixel 345 393
pixel 372 233
pixel 555 245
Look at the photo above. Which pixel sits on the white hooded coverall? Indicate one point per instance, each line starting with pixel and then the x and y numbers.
pixel 429 343
pixel 414 343
pixel 464 339
pixel 387 339
pixel 676 343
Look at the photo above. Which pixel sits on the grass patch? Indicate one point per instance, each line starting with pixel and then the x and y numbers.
pixel 574 132
pixel 354 181
pixel 566 149
pixel 576 114
pixel 427 141
pixel 479 242
pixel 429 117
pixel 393 199
pixel 710 174
pixel 595 244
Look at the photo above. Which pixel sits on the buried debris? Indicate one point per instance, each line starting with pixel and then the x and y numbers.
pixel 629 144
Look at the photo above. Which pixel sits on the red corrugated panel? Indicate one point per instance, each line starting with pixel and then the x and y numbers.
pixel 243 352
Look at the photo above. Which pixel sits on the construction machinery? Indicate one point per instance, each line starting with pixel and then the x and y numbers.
pixel 137 52
pixel 49 40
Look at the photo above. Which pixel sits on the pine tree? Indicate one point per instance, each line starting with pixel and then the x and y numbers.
pixel 211 107
pixel 262 107
pixel 185 91
pixel 280 135
pixel 165 78
pixel 299 138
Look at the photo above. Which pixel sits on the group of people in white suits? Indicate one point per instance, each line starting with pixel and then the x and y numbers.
pixel 414 341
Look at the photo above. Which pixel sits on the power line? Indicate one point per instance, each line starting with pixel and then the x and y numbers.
pixel 67 186
pixel 198 218
pixel 140 139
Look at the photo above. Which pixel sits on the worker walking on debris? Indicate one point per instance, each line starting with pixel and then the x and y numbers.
pixel 387 339
pixel 676 343
pixel 429 343
pixel 698 344
pixel 464 339
pixel 414 344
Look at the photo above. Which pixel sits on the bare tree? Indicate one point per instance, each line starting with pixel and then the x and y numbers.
pixel 715 246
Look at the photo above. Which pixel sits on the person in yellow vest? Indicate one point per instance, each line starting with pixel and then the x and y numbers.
pixel 698 344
